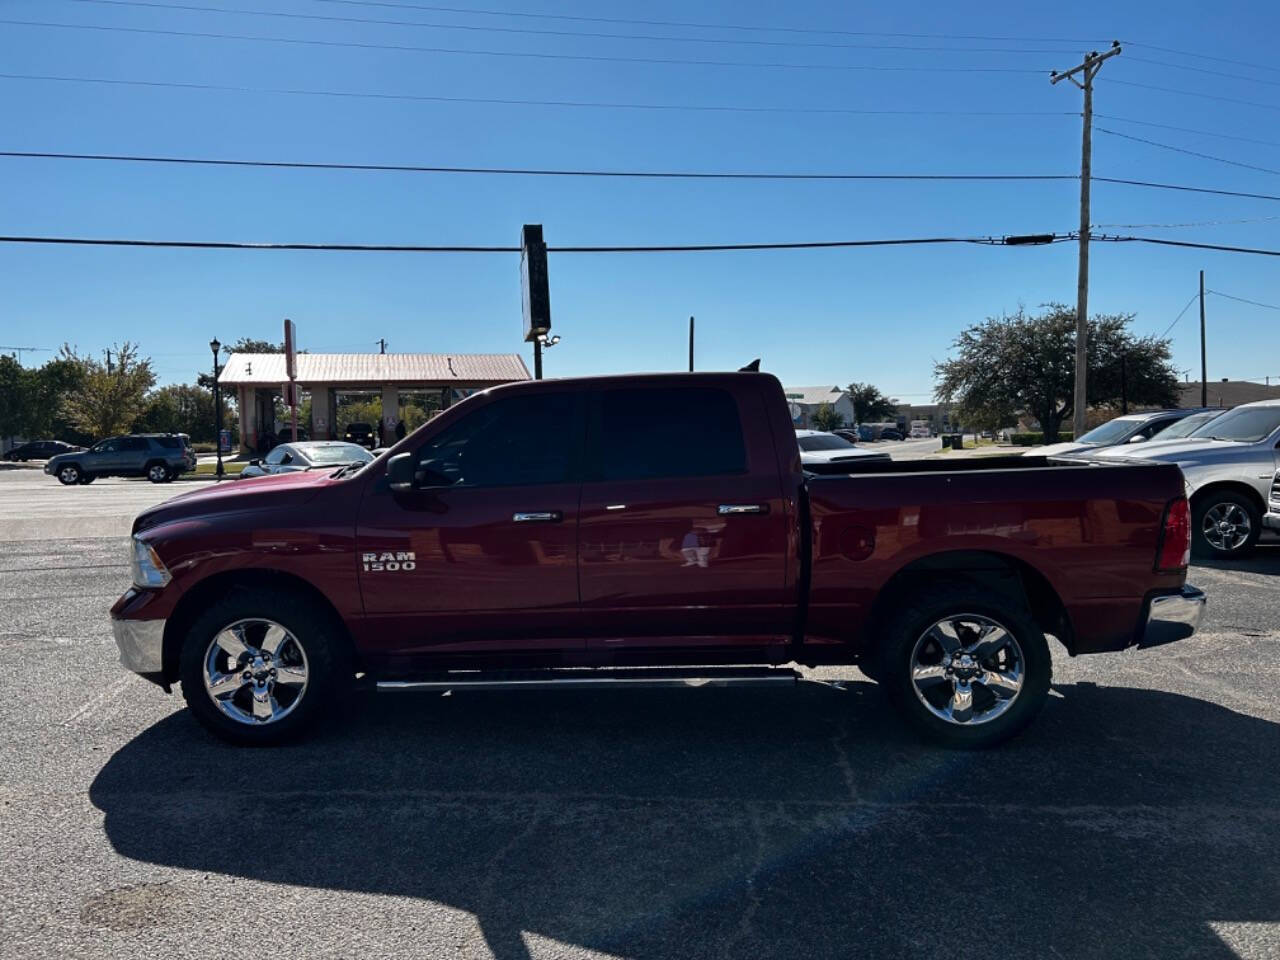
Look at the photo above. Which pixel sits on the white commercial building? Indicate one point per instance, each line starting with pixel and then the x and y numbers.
pixel 803 401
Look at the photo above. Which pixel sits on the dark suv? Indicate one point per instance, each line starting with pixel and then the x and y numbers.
pixel 361 433
pixel 39 450
pixel 157 456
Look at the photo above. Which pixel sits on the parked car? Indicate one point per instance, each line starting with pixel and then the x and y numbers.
pixel 160 457
pixel 306 455
pixel 1130 428
pixel 1272 517
pixel 847 434
pixel 39 450
pixel 819 449
pixel 662 521
pixel 286 434
pixel 1229 463
pixel 888 433
pixel 361 433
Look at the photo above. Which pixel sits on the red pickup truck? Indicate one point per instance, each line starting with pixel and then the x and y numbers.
pixel 641 530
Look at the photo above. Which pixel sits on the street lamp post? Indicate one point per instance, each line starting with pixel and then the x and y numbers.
pixel 215 346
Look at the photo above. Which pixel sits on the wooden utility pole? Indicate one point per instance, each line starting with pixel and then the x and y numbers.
pixel 691 344
pixel 382 345
pixel 1204 367
pixel 1087 70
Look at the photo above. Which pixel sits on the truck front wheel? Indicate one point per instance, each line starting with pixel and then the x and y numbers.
pixel 260 668
pixel 963 672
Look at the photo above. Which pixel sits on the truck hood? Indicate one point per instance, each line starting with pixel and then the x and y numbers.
pixel 256 493
pixel 1170 451
pixel 827 456
pixel 1058 449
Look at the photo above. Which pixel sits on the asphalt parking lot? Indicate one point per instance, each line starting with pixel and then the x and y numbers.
pixel 1139 817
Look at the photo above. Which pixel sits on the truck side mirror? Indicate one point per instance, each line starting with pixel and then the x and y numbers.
pixel 255 463
pixel 400 472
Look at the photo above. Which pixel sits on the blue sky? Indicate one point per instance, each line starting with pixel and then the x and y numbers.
pixel 815 317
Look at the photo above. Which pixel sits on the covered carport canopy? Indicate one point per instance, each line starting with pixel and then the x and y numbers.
pixel 258 378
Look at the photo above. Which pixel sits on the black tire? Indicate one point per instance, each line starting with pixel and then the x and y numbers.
pixel 326 664
pixel 86 479
pixel 70 474
pixel 898 654
pixel 1234 509
pixel 158 472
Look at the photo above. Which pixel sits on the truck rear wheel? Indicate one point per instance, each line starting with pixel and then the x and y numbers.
pixel 261 668
pixel 963 671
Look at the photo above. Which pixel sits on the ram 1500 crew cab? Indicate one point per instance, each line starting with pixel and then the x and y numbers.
pixel 599 529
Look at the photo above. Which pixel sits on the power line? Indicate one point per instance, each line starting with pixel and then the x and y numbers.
pixel 1213 73
pixel 593 58
pixel 1193 223
pixel 520 54
pixel 1226 248
pixel 759 28
pixel 1190 153
pixel 1194 298
pixel 1202 133
pixel 1194 93
pixel 1205 56
pixel 1186 189
pixel 1256 303
pixel 529 171
pixel 418 248
pixel 514 101
pixel 592 35
pixel 645 174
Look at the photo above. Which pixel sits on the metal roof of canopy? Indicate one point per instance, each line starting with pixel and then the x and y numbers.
pixel 402 369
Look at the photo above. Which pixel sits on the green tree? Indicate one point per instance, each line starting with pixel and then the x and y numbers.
pixel 1027 363
pixel 183 408
pixel 826 418
pixel 32 401
pixel 869 404
pixel 109 399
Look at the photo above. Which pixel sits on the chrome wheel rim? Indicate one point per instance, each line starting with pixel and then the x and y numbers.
pixel 68 474
pixel 255 671
pixel 1226 526
pixel 967 669
pixel 157 473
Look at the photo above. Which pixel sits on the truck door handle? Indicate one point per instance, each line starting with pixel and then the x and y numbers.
pixel 729 509
pixel 538 516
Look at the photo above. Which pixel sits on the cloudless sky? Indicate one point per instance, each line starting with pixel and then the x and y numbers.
pixel 882 314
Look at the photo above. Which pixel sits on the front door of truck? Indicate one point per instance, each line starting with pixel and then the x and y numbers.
pixel 683 534
pixel 482 555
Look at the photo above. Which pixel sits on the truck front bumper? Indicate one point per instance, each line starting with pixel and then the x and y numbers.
pixel 1174 616
pixel 141 644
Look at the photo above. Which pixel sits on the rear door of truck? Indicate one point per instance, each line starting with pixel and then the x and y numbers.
pixel 683 535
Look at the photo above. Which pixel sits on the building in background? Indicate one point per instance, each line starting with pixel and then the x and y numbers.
pixel 1226 393
pixel 257 381
pixel 804 401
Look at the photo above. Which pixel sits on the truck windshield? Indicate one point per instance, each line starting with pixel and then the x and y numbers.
pixel 1113 431
pixel 1243 424
pixel 826 441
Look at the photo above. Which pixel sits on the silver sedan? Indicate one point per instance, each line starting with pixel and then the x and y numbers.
pixel 307 455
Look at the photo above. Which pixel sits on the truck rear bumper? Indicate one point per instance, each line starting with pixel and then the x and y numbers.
pixel 1173 617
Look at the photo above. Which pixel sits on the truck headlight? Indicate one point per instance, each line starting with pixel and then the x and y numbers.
pixel 148 569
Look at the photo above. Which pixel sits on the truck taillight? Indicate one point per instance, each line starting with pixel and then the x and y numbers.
pixel 1175 538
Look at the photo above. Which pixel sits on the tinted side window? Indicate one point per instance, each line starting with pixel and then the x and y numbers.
pixel 680 432
pixel 133 444
pixel 517 441
pixel 169 443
